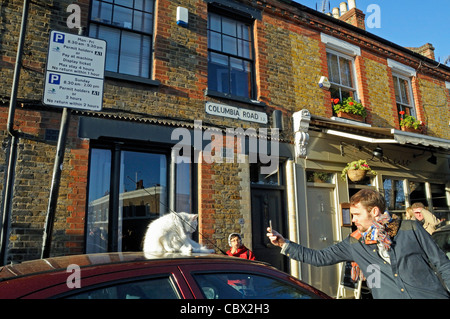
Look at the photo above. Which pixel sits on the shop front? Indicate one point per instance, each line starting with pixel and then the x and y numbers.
pixel 409 168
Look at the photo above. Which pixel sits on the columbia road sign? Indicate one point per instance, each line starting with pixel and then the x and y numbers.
pixel 75 71
pixel 235 112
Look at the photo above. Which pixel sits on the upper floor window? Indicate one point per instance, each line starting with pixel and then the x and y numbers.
pixel 403 95
pixel 401 76
pixel 230 56
pixel 341 75
pixel 127 27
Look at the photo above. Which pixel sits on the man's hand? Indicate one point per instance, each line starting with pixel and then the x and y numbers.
pixel 275 237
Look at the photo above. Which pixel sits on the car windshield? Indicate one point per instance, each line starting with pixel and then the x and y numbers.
pixel 248 286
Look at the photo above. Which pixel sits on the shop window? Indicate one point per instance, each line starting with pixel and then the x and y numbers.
pixel 394 194
pixel 127 27
pixel 230 56
pixel 128 189
pixel 341 76
pixel 438 197
pixel 319 177
pixel 418 193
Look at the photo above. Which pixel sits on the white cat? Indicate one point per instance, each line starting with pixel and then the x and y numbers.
pixel 172 233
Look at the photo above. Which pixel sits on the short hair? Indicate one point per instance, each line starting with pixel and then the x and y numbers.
pixel 369 199
pixel 417 205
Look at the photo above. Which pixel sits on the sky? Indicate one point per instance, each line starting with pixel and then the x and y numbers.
pixel 409 23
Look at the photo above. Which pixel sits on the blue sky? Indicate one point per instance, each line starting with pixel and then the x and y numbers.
pixel 409 23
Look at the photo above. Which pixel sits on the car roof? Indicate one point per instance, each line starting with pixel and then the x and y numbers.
pixel 51 264
pixel 443 229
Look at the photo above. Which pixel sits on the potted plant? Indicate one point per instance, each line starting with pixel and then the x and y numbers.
pixel 409 123
pixel 357 170
pixel 350 109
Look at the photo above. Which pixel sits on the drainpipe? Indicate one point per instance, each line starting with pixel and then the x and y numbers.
pixel 14 138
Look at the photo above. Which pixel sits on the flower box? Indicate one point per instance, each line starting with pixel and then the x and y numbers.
pixel 350 116
pixel 411 129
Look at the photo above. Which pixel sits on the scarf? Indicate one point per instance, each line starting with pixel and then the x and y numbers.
pixel 381 231
pixel 378 233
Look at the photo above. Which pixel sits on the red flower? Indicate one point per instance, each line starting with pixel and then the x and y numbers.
pixel 401 112
pixel 350 103
pixel 336 101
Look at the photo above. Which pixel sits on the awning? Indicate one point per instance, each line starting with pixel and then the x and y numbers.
pixel 378 135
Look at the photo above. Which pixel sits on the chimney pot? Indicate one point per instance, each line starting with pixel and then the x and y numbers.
pixel 351 4
pixel 343 7
pixel 336 13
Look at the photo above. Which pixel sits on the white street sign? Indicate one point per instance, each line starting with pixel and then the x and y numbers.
pixel 67 90
pixel 235 112
pixel 75 71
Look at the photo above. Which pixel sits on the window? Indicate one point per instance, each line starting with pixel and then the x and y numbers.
pixel 418 193
pixel 341 76
pixel 127 27
pixel 403 95
pixel 128 188
pixel 394 194
pixel 248 286
pixel 230 56
pixel 156 288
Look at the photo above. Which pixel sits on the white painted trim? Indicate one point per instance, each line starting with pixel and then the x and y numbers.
pixel 400 68
pixel 340 45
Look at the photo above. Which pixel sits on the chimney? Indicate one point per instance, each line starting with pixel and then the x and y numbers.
pixel 426 50
pixel 353 15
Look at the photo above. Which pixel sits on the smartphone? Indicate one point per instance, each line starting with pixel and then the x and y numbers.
pixel 270 225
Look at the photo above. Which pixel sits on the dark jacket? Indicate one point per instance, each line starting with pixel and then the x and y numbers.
pixel 409 274
pixel 242 252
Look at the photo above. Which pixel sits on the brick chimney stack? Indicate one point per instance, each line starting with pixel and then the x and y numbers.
pixel 426 50
pixel 351 14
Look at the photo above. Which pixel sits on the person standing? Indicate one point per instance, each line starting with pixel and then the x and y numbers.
pixel 394 256
pixel 425 217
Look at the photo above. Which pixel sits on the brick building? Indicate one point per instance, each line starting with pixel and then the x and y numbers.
pixel 173 92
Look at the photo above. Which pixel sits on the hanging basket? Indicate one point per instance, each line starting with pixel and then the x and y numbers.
pixel 356 175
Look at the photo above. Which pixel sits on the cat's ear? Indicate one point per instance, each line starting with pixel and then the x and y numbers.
pixel 194 216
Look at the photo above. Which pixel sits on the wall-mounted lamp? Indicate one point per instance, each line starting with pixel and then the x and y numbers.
pixel 378 152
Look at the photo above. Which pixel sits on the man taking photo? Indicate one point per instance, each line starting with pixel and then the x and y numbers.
pixel 409 263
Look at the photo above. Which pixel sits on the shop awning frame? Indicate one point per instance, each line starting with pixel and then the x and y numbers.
pixel 378 135
pixel 398 137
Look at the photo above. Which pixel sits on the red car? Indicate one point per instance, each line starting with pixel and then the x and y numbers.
pixel 142 276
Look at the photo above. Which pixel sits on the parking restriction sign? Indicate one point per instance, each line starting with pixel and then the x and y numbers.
pixel 75 71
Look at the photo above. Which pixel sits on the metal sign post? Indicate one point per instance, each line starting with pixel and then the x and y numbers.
pixel 74 79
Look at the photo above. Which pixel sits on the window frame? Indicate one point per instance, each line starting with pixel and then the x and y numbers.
pixel 401 106
pixel 354 89
pixel 252 61
pixel 114 210
pixel 117 74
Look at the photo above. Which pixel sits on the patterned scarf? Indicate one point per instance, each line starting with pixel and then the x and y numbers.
pixel 378 232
